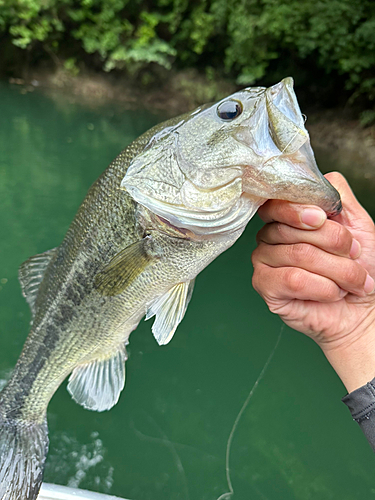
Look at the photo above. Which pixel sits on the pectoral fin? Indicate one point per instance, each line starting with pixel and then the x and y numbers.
pixel 169 310
pixel 31 273
pixel 97 385
pixel 123 269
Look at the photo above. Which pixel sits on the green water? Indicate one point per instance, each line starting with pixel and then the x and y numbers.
pixel 166 438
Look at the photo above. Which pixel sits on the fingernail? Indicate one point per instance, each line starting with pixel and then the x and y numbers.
pixel 369 284
pixel 313 217
pixel 355 250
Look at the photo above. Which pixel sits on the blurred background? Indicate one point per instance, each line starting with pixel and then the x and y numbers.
pixel 196 47
pixel 80 81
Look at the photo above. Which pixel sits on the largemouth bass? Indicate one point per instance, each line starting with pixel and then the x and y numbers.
pixel 169 204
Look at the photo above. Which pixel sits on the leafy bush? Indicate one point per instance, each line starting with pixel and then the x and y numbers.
pixel 339 34
pixel 240 40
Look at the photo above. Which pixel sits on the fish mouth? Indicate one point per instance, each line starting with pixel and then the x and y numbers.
pixel 288 170
pixel 336 209
pixel 286 122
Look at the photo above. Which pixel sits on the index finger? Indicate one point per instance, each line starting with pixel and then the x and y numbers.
pixel 292 214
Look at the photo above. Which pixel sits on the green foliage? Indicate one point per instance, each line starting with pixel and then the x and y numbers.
pixel 28 21
pixel 242 40
pixel 367 117
pixel 70 66
pixel 339 35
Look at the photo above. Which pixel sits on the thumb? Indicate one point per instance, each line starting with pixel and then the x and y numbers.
pixel 353 215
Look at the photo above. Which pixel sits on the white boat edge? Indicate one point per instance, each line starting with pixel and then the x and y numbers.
pixel 57 492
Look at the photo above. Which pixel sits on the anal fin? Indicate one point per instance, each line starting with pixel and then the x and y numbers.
pixel 169 310
pixel 97 385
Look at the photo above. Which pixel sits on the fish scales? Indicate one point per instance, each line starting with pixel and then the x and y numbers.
pixel 68 281
pixel 168 205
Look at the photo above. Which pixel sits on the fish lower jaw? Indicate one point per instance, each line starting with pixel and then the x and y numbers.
pixel 336 209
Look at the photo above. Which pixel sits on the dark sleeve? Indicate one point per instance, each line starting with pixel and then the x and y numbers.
pixel 361 404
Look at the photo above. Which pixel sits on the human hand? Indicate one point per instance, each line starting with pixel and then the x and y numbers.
pixel 317 275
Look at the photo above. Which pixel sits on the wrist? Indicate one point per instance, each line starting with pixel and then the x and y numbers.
pixel 354 359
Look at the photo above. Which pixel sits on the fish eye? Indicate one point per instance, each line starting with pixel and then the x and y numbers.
pixel 229 110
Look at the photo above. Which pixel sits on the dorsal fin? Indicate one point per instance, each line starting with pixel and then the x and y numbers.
pixel 97 385
pixel 30 275
pixel 169 310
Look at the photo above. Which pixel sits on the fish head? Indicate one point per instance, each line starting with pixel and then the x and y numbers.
pixel 210 170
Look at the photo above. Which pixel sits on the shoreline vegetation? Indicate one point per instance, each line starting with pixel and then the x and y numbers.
pixel 334 131
pixel 171 55
pixel 328 47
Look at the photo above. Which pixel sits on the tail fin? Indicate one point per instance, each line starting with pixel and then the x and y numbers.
pixel 23 450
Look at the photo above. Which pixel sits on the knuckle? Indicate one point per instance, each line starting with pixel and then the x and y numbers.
pixel 257 281
pixel 295 279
